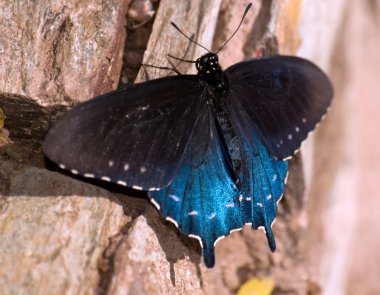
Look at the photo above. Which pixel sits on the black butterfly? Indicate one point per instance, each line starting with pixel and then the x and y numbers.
pixel 208 148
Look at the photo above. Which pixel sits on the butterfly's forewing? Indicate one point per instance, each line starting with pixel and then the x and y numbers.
pixel 283 97
pixel 135 137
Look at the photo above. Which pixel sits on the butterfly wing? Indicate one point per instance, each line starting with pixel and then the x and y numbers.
pixel 135 137
pixel 282 97
pixel 203 200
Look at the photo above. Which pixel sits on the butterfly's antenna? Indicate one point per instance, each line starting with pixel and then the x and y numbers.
pixel 178 29
pixel 242 19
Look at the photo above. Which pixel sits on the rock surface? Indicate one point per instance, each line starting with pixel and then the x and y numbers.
pixel 61 52
pixel 64 236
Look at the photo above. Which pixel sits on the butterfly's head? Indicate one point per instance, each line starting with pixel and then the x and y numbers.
pixel 208 65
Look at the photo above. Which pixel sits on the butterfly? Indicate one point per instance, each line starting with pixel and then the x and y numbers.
pixel 210 149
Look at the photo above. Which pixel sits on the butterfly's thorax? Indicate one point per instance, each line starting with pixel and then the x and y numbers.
pixel 210 71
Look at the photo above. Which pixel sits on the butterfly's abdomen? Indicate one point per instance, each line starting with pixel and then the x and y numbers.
pixel 230 139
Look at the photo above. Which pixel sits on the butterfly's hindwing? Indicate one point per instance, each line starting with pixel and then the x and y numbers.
pixel 203 200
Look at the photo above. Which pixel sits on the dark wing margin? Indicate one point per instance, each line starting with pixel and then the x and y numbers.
pixel 283 97
pixel 135 137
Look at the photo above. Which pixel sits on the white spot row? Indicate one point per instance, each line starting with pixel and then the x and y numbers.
pixel 108 179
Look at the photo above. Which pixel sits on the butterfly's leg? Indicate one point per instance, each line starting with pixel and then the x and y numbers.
pixel 173 66
pixel 180 59
pixel 162 68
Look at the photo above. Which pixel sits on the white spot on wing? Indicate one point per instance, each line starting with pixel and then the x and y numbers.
pixel 191 213
pixel 105 178
pixel 212 216
pixel 137 187
pixel 260 205
pixel 234 230
pixel 110 163
pixel 62 166
pixel 89 175
pixel 155 203
pixel 240 198
pixel 73 171
pixel 122 182
pixel 274 178
pixel 269 197
pixel 304 120
pixel 218 239
pixel 290 137
pixel 229 205
pixel 196 237
pixel 297 129
pixel 174 197
pixel 172 221
pixel 142 169
pixel 126 167
pixel 262 228
pixel 248 199
pixel 152 189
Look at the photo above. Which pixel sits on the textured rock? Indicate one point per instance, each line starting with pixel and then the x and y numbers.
pixel 151 259
pixel 62 236
pixel 53 231
pixel 64 50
